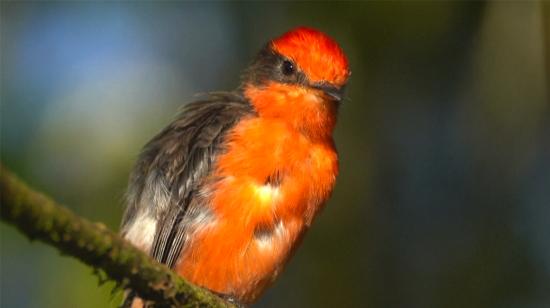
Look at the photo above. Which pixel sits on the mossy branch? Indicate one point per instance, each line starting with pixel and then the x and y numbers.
pixel 39 217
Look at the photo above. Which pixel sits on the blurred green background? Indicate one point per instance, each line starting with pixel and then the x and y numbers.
pixel 444 194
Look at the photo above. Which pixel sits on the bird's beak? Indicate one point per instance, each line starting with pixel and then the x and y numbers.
pixel 336 93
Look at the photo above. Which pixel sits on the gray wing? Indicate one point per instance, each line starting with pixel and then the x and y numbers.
pixel 173 167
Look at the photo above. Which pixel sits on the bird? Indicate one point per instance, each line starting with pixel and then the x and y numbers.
pixel 226 192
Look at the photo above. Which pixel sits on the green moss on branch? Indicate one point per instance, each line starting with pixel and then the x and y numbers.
pixel 39 217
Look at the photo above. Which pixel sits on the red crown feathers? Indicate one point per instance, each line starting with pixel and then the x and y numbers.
pixel 315 53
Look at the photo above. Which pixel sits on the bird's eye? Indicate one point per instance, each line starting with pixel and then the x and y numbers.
pixel 288 68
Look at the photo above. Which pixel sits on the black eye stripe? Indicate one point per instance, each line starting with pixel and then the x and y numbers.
pixel 288 67
pixel 270 65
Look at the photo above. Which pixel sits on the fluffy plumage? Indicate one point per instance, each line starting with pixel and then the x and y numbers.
pixel 224 194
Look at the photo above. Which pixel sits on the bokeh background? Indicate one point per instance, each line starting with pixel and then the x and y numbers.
pixel 444 194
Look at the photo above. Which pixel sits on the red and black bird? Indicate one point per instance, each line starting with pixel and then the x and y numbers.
pixel 224 194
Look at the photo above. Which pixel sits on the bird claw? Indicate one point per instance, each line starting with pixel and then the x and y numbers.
pixel 230 299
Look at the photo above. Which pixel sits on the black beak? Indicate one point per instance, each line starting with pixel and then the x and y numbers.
pixel 333 92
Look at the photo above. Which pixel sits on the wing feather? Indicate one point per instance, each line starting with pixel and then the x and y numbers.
pixel 174 165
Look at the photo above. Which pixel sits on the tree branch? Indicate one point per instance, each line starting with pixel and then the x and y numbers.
pixel 39 217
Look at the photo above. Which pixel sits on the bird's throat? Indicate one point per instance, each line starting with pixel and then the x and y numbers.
pixel 302 108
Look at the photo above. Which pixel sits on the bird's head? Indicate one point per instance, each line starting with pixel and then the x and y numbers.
pixel 299 77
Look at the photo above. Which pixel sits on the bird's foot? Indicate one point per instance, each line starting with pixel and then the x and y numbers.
pixel 230 299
